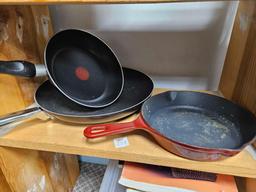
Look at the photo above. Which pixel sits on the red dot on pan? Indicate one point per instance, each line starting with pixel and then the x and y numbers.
pixel 82 73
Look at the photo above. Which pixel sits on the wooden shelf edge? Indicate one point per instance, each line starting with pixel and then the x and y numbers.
pixel 140 158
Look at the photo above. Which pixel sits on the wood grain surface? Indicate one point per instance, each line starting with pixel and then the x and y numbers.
pixel 62 173
pixel 238 81
pixel 4 186
pixel 24 170
pixel 24 32
pixel 236 48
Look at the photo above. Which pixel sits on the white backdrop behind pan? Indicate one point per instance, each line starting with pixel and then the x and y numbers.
pixel 180 45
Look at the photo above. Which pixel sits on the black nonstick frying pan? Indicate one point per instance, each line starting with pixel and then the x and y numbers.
pixel 137 89
pixel 194 125
pixel 80 65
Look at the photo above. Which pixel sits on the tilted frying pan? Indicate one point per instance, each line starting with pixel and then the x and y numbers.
pixel 193 125
pixel 80 65
pixel 137 89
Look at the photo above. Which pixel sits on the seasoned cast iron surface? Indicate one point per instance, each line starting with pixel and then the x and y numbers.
pixel 195 126
pixel 199 119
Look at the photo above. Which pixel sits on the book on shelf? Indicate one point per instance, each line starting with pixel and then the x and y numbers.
pixel 152 178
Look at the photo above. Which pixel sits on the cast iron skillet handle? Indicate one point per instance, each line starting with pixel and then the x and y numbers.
pixel 100 130
pixel 18 116
pixel 22 68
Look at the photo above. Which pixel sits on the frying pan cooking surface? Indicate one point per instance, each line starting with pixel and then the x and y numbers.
pixel 84 68
pixel 199 119
pixel 195 126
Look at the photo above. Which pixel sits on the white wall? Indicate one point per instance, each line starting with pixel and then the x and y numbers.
pixel 181 45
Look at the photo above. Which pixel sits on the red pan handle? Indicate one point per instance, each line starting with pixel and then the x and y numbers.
pixel 95 131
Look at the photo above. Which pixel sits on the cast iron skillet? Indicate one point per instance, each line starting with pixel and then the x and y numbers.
pixel 193 125
pixel 137 89
pixel 80 65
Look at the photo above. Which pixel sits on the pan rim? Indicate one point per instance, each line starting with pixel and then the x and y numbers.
pixel 60 89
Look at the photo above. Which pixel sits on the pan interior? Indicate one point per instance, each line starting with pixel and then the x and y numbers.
pixel 84 68
pixel 196 126
pixel 200 120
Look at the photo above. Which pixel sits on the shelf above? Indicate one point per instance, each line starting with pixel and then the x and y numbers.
pixel 55 136
pixel 36 2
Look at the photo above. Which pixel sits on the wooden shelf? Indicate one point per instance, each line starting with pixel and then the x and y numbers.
pixel 44 2
pixel 55 136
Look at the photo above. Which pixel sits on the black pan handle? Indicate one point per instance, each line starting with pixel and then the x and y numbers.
pixel 22 68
